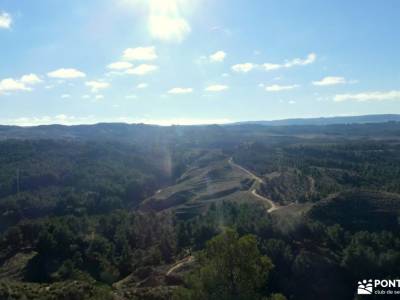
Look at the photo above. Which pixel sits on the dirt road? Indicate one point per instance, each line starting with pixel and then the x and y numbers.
pixel 180 264
pixel 258 180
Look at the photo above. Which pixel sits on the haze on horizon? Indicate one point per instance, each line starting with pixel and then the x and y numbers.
pixel 196 61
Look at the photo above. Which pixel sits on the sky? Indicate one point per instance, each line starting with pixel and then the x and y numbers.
pixel 196 61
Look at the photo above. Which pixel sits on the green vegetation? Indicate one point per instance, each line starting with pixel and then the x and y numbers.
pixel 231 268
pixel 145 212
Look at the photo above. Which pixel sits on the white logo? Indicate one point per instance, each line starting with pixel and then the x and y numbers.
pixel 365 287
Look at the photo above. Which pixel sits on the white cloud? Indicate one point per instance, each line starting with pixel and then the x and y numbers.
pixel 99 97
pixel 292 102
pixel 66 74
pixel 369 96
pixel 247 67
pixel 271 67
pixel 86 97
pixel 178 90
pixel 65 96
pixel 244 68
pixel 142 85
pixel 5 20
pixel 30 79
pixel 97 85
pixel 140 53
pixel 120 65
pixel 279 88
pixel 218 56
pixel 142 70
pixel 301 62
pixel 11 85
pixel 8 85
pixel 330 80
pixel 291 63
pixel 115 73
pixel 130 97
pixel 216 88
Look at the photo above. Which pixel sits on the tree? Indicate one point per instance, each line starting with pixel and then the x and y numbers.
pixel 231 268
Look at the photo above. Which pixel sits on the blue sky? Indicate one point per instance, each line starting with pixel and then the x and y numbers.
pixel 196 61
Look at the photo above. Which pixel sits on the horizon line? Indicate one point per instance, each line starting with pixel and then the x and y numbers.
pixel 68 122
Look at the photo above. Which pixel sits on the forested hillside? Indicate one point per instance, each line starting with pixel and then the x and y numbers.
pixel 116 211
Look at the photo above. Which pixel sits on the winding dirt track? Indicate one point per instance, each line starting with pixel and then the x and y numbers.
pixel 180 264
pixel 258 180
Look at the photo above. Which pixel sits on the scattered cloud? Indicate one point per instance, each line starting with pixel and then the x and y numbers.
pixel 301 62
pixel 311 58
pixel 247 67
pixel 120 65
pixel 140 53
pixel 115 73
pixel 369 96
pixel 244 68
pixel 142 86
pixel 66 74
pixel 218 56
pixel 5 20
pixel 279 88
pixel 65 96
pixel 292 102
pixel 271 67
pixel 86 97
pixel 130 97
pixel 330 80
pixel 11 85
pixel 25 83
pixel 96 86
pixel 180 91
pixel 30 79
pixel 216 88
pixel 143 69
pixel 99 97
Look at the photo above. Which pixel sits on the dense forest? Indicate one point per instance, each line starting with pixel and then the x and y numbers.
pixel 116 211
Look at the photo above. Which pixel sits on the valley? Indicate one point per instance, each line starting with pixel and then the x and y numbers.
pixel 145 212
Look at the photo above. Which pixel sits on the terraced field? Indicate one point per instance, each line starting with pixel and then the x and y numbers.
pixel 202 185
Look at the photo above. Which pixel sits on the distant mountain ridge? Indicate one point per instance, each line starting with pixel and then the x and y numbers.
pixel 320 121
pixel 371 125
pixel 329 120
